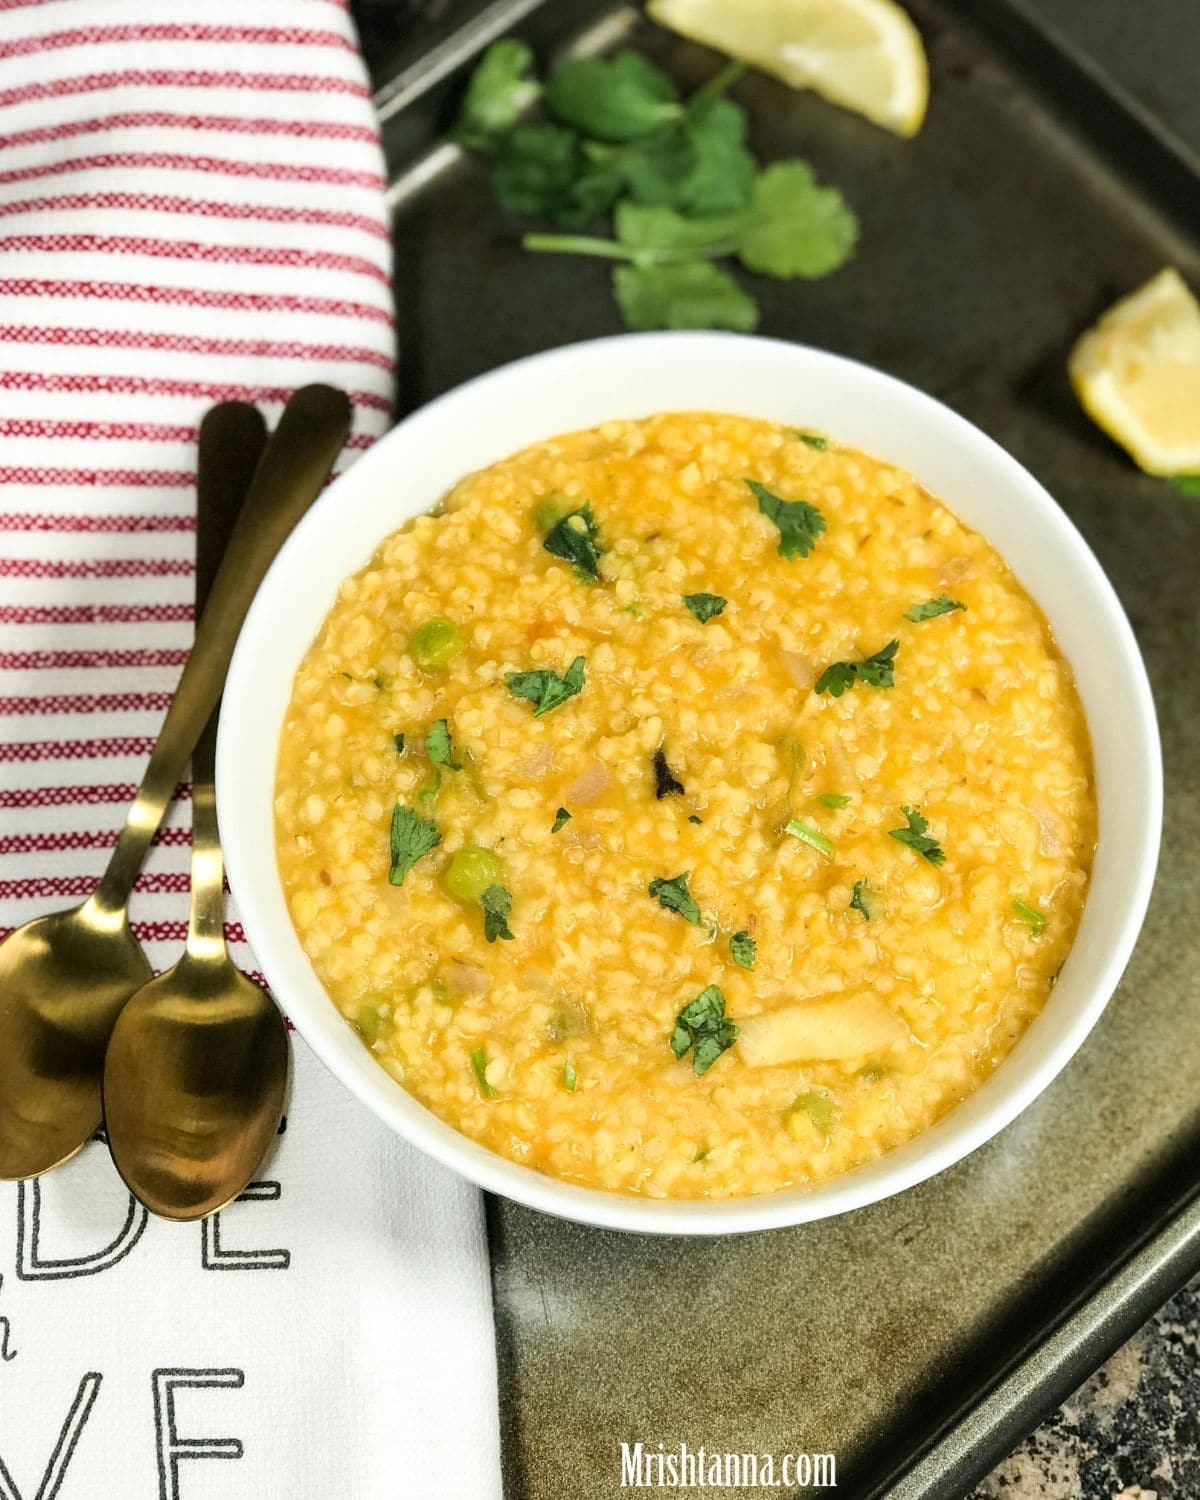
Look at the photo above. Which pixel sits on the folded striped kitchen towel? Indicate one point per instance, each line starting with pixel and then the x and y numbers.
pixel 191 209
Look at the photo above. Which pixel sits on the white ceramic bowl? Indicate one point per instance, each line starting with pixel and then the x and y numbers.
pixel 634 376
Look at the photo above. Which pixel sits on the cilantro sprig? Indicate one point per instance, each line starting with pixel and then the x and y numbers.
pixel 686 189
pixel 705 607
pixel 703 1028
pixel 497 903
pixel 743 949
pixel 916 837
pixel 439 747
pixel 877 670
pixel 546 690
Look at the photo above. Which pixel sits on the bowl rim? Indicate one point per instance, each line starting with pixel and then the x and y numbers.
pixel 258 890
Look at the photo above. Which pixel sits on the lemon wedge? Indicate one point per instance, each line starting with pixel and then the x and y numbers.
pixel 864 54
pixel 1137 373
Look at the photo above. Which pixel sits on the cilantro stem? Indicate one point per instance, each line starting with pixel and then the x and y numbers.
pixel 586 244
pixel 721 81
pixel 577 244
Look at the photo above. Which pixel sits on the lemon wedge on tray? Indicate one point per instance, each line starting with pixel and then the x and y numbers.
pixel 864 54
pixel 1137 373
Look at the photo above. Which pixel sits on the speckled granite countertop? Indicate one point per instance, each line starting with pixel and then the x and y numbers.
pixel 1131 1433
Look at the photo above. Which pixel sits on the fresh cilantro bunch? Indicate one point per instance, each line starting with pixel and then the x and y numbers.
pixel 683 187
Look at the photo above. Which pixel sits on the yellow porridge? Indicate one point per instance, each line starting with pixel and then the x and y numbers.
pixel 691 807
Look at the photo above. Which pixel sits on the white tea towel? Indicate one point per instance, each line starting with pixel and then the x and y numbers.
pixel 191 209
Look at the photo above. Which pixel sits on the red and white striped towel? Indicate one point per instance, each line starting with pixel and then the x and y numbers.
pixel 191 209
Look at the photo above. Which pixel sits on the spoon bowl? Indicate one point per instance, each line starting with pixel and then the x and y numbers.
pixel 201 1059
pixel 64 979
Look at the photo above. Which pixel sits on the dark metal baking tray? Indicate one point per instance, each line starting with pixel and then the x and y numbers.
pixel 919 1339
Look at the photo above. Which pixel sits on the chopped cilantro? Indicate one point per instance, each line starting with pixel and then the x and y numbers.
pixel 813 439
pixel 799 523
pixel 877 670
pixel 673 895
pixel 546 690
pixel 705 606
pixel 573 538
pixel 702 1153
pixel 742 948
pixel 666 783
pixel 864 900
pixel 930 610
pixel 438 745
pixel 412 837
pixel 398 741
pixel 569 1077
pixel 834 799
pixel 1030 914
pixel 561 817
pixel 479 1062
pixel 811 837
pixel 499 90
pixel 916 838
pixel 692 818
pixel 497 903
pixel 703 1027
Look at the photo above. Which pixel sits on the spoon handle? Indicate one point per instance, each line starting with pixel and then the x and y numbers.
pixel 297 460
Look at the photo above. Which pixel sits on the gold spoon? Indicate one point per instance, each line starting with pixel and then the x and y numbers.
pixel 64 978
pixel 197 1066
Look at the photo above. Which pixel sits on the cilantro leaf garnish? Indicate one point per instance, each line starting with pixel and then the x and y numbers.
pixel 834 799
pixel 813 439
pixel 742 949
pixel 398 741
pixel 931 608
pixel 574 539
pixel 1030 914
pixel 479 1062
pixel 673 895
pixel 799 523
pixel 699 164
pixel 666 783
pixel 412 837
pixel 864 900
pixel 692 295
pixel 499 89
pixel 543 171
pixel 546 690
pixel 703 1027
pixel 915 837
pixel 704 606
pixel 794 226
pixel 877 670
pixel 614 99
pixel 561 817
pixel 439 747
pixel 497 903
pixel 810 836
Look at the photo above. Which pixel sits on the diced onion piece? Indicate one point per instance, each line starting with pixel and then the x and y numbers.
pixel 802 670
pixel 589 785
pixel 820 1031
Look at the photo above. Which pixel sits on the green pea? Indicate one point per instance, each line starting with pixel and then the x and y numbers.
pixel 435 644
pixel 471 871
pixel 549 511
pixel 369 1024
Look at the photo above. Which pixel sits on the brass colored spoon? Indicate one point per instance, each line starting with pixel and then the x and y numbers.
pixel 197 1066
pixel 64 978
